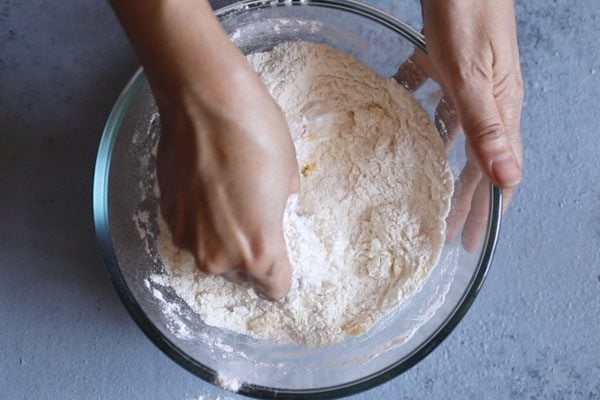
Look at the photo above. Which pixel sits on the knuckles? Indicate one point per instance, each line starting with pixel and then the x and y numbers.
pixel 260 258
pixel 214 257
pixel 485 131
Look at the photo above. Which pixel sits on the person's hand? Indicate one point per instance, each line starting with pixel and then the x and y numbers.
pixel 226 162
pixel 225 171
pixel 472 53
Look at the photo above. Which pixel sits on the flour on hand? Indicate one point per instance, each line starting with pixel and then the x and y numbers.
pixel 369 222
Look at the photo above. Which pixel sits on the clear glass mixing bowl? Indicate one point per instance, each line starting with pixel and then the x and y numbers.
pixel 125 215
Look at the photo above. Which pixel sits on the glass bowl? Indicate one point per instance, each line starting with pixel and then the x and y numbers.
pixel 125 212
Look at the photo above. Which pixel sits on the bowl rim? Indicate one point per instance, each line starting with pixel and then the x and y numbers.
pixel 103 231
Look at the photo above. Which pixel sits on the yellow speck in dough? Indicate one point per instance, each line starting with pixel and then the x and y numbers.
pixel 309 168
pixel 262 323
pixel 353 329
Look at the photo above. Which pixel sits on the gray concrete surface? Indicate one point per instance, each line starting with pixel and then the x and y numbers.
pixel 532 334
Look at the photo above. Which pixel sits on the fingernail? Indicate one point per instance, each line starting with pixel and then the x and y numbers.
pixel 506 172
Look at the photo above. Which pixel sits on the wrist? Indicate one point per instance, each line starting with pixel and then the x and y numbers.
pixel 181 46
pixel 222 91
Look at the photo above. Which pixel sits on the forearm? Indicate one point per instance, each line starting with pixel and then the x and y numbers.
pixel 181 45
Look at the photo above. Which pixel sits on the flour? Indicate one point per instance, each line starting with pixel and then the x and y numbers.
pixel 233 385
pixel 369 222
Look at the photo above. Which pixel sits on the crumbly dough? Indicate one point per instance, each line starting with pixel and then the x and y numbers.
pixel 369 221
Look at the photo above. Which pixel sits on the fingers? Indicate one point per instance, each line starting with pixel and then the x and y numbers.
pixel 235 276
pixel 484 127
pixel 274 285
pixel 509 99
pixel 174 212
pixel 411 74
pixel 462 199
pixel 265 265
pixel 447 122
pixel 476 223
pixel 269 271
pixel 415 71
pixel 272 272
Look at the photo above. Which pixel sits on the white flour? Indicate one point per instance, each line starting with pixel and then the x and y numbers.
pixel 368 224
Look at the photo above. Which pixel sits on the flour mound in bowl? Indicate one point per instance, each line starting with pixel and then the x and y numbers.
pixel 368 224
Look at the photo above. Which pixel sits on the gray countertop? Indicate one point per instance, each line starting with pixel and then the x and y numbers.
pixel 532 333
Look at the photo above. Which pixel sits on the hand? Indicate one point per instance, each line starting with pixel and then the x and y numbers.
pixel 472 53
pixel 226 162
pixel 225 172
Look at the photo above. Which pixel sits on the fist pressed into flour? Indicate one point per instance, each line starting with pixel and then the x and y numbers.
pixel 369 221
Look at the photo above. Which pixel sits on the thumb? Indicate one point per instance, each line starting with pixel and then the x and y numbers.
pixel 481 120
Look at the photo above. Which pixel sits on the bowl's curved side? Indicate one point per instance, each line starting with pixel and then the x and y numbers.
pixel 100 200
pixel 353 6
pixel 101 206
pixel 371 381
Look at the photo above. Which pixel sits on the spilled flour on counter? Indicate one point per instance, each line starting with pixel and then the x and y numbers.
pixel 369 222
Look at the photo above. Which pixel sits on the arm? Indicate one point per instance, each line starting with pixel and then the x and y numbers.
pixel 184 50
pixel 226 163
